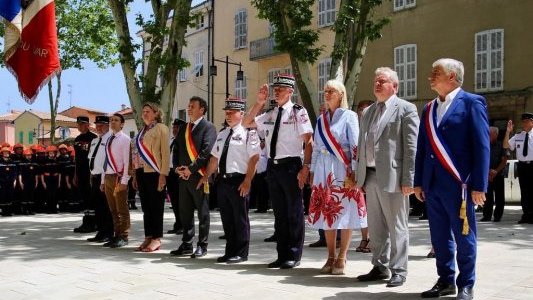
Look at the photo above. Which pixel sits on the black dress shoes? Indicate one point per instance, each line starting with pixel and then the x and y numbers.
pixel 110 242
pixel 96 238
pixel 484 219
pixel 318 244
pixel 275 264
pixel 222 237
pixel 396 280
pixel 289 264
pixel 236 259
pixel 222 259
pixel 374 275
pixel 439 289
pixel 184 249
pixel 199 252
pixel 465 293
pixel 175 231
pixel 271 238
pixel 120 242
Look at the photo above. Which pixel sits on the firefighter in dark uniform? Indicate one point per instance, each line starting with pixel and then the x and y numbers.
pixel 523 144
pixel 16 158
pixel 288 133
pixel 64 194
pixel 235 154
pixel 51 179
pixel 82 174
pixel 28 181
pixel 40 191
pixel 8 175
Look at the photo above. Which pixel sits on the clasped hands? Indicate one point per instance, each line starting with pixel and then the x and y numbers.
pixel 183 172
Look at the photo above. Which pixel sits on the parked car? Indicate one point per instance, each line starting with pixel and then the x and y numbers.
pixel 512 188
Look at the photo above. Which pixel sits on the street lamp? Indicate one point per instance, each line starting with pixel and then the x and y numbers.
pixel 213 71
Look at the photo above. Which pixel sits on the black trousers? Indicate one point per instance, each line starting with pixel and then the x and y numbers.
pixel 259 192
pixel 102 214
pixel 288 208
pixel 525 173
pixel 495 195
pixel 84 189
pixel 189 199
pixel 52 181
pixel 234 215
pixel 173 192
pixel 28 193
pixel 152 202
pixel 6 197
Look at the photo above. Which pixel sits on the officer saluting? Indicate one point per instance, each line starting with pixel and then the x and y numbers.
pixel 523 144
pixel 287 129
pixel 235 153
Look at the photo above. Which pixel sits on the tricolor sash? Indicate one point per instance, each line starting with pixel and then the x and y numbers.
pixel 443 155
pixel 329 140
pixel 110 159
pixel 193 153
pixel 144 152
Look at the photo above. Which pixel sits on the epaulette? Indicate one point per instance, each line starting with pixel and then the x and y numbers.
pixel 297 106
pixel 270 109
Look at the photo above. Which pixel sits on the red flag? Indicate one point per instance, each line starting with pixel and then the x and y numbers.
pixel 36 60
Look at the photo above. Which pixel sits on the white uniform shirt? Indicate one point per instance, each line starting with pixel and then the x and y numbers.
pixel 442 108
pixel 119 156
pixel 243 145
pixel 172 138
pixel 293 124
pixel 517 142
pixel 99 159
pixel 262 163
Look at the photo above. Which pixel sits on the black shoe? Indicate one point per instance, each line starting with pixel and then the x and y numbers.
pixel 484 219
pixel 236 259
pixel 318 244
pixel 271 238
pixel 374 274
pixel 222 259
pixel 275 264
pixel 496 220
pixel 199 252
pixel 96 238
pixel 183 249
pixel 120 242
pixel 439 289
pixel 260 211
pixel 396 280
pixel 222 237
pixel 289 264
pixel 431 254
pixel 175 231
pixel 465 293
pixel 423 217
pixel 110 242
pixel 85 229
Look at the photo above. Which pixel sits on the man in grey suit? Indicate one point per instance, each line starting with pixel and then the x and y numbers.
pixel 386 166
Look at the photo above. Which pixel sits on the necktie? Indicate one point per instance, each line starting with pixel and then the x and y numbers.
pixel 274 139
pixel 108 146
pixel 371 137
pixel 526 142
pixel 224 156
pixel 91 162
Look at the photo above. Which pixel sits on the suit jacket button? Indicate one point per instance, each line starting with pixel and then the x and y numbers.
pixel 432 156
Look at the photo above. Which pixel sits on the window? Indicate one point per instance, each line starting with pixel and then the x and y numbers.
pixel 132 134
pixel 271 74
pixel 240 29
pixel 21 137
pixel 182 76
pixel 30 137
pixel 240 88
pixel 324 67
pixel 489 60
pixel 405 66
pixel 326 12
pixel 200 23
pixel 198 63
pixel 182 114
pixel 403 4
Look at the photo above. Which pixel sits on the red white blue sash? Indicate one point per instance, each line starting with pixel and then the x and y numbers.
pixel 443 155
pixel 144 152
pixel 110 159
pixel 329 140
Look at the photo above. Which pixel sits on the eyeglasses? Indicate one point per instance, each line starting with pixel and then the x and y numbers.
pixel 330 91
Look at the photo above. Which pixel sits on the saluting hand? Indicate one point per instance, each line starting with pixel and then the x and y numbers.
pixel 510 126
pixel 262 95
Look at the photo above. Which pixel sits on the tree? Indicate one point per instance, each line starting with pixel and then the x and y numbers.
pixel 169 21
pixel 85 32
pixel 353 28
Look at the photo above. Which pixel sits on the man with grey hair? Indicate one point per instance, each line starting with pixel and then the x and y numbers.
pixel 495 192
pixel 451 175
pixel 386 162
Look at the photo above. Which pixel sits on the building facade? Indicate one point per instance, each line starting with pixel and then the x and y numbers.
pixel 33 127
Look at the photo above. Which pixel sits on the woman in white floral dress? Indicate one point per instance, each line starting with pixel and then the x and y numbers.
pixel 335 201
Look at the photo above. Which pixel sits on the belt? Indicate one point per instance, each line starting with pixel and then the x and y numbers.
pixel 232 175
pixel 526 162
pixel 284 161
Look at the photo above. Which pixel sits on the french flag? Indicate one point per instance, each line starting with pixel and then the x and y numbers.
pixel 32 52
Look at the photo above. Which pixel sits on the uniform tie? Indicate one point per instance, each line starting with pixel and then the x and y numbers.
pixel 274 139
pixel 223 157
pixel 526 142
pixel 91 162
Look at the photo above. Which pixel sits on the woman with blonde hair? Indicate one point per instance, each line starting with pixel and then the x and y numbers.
pixel 151 162
pixel 335 201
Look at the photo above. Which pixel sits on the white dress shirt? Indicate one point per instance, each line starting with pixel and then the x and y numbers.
pixel 99 159
pixel 443 106
pixel 119 153
pixel 517 142
pixel 243 145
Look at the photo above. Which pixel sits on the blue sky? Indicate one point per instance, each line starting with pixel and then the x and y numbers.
pixel 100 89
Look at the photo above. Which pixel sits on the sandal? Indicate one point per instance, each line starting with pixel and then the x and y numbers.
pixel 147 241
pixel 155 244
pixel 326 269
pixel 338 270
pixel 363 246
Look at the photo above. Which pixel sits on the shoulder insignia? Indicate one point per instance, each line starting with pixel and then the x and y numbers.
pixel 270 109
pixel 297 106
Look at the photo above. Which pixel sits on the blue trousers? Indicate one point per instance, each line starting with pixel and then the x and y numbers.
pixel 443 202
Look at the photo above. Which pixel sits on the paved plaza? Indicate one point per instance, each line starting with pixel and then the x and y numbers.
pixel 41 258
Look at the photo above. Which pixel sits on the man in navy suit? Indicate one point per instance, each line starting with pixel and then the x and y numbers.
pixel 451 175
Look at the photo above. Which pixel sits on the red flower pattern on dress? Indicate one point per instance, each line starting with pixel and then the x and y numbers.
pixel 324 202
pixel 354 153
pixel 356 195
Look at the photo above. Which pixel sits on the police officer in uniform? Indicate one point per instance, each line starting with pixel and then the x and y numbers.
pixel 51 179
pixel 8 175
pixel 28 182
pixel 82 173
pixel 235 154
pixel 288 130
pixel 523 144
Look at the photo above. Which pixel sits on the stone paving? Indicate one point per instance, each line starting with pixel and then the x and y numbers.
pixel 41 258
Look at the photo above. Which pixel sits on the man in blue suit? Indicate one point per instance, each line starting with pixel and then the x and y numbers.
pixel 451 175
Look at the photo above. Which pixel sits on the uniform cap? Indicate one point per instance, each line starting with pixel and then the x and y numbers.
pixel 235 104
pixel 18 146
pixel 5 149
pixel 62 146
pixel 51 148
pixel 27 152
pixel 82 119
pixel 5 145
pixel 527 116
pixel 286 80
pixel 101 120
